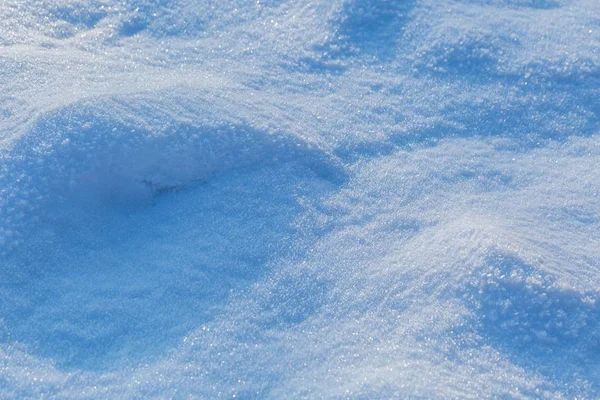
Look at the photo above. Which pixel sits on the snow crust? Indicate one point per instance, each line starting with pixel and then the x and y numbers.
pixel 300 199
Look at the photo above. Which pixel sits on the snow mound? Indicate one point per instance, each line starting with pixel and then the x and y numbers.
pixel 158 212
pixel 540 325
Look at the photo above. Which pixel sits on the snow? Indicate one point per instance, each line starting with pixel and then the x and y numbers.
pixel 300 199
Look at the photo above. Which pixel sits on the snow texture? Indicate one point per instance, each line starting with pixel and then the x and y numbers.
pixel 272 199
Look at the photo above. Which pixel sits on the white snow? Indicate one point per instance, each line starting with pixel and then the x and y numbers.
pixel 300 199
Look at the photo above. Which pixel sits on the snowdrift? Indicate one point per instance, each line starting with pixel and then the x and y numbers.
pixel 310 199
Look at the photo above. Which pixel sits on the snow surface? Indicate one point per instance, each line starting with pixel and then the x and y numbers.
pixel 299 199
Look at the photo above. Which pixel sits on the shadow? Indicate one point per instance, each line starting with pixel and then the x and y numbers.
pixel 169 19
pixel 552 331
pixel 133 26
pixel 368 28
pixel 79 15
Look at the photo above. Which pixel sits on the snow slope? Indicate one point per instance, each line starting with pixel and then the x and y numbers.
pixel 300 199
